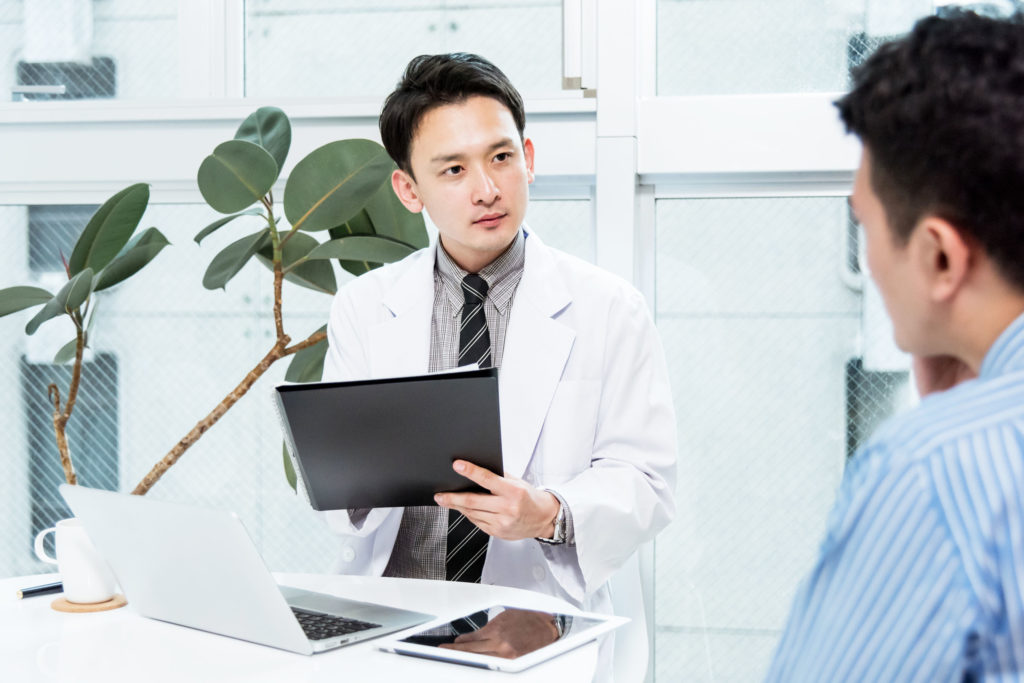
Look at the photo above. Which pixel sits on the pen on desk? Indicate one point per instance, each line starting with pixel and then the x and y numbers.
pixel 55 587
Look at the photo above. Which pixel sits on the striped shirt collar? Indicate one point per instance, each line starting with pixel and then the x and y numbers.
pixel 502 275
pixel 1007 353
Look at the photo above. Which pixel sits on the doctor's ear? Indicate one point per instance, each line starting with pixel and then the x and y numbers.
pixel 405 189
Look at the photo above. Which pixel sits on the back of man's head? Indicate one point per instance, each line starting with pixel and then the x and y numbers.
pixel 941 112
pixel 432 81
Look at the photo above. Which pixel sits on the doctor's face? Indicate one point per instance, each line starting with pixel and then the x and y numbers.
pixel 472 173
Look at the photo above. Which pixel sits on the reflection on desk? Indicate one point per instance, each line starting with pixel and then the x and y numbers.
pixel 41 644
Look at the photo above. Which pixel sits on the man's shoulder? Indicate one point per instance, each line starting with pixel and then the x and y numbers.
pixel 945 420
pixel 952 441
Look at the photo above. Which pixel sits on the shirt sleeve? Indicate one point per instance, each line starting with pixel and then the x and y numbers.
pixel 570 530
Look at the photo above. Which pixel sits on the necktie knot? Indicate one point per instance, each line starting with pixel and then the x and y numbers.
pixel 474 289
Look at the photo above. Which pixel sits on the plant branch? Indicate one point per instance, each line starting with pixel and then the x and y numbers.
pixel 275 354
pixel 312 339
pixel 76 371
pixel 60 417
pixel 278 278
pixel 59 424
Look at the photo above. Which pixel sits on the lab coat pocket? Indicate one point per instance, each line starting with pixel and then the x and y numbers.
pixel 566 440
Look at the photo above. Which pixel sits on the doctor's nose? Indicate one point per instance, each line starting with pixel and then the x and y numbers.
pixel 485 190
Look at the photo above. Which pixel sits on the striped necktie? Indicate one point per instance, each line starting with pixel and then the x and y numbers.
pixel 467 545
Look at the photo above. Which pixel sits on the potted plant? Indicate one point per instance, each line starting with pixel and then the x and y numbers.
pixel 107 253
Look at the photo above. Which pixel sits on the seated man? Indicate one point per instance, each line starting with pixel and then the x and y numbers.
pixel 921 573
pixel 588 430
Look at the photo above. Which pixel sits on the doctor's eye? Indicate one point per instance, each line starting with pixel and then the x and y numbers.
pixel 452 170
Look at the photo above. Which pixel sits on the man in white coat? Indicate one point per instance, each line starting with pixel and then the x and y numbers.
pixel 588 430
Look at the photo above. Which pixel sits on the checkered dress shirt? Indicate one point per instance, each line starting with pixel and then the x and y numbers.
pixel 420 547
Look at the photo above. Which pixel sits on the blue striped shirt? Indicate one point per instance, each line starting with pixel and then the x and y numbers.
pixel 921 573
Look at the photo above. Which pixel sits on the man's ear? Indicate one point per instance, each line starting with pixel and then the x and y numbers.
pixel 405 188
pixel 528 155
pixel 945 257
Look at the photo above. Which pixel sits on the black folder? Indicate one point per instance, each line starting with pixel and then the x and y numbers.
pixel 391 442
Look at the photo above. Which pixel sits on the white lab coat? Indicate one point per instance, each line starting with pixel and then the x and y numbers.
pixel 585 406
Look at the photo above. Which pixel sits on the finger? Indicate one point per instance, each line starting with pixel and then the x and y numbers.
pixel 479 475
pixel 468 501
pixel 488 522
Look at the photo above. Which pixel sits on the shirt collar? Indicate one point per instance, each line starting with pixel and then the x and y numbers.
pixel 501 274
pixel 1007 353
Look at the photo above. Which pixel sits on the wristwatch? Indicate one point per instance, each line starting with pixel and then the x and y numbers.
pixel 558 537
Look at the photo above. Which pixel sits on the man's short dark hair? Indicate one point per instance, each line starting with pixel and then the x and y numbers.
pixel 941 112
pixel 432 81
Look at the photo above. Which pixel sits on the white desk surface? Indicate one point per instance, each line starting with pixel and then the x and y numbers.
pixel 38 643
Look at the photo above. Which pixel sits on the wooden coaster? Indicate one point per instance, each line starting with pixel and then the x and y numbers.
pixel 62 605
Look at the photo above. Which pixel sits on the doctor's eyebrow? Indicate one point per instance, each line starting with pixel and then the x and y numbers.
pixel 459 156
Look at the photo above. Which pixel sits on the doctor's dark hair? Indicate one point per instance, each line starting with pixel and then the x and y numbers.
pixel 941 113
pixel 432 81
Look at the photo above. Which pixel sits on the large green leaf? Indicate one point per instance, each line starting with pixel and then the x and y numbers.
pixel 269 128
pixel 363 248
pixel 232 258
pixel 308 364
pixel 237 174
pixel 332 183
pixel 289 469
pixel 357 225
pixel 139 252
pixel 72 295
pixel 51 310
pixel 109 229
pixel 14 299
pixel 220 222
pixel 391 219
pixel 316 275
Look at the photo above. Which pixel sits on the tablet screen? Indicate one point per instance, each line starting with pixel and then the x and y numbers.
pixel 505 632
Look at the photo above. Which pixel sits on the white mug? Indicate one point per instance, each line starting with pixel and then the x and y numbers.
pixel 84 573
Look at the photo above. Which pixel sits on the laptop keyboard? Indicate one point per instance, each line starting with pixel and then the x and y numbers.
pixel 318 626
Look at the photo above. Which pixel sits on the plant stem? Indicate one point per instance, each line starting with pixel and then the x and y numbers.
pixel 275 353
pixel 76 371
pixel 62 442
pixel 278 273
pixel 279 351
pixel 312 339
pixel 61 417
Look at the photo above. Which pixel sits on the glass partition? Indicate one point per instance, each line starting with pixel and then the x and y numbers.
pixel 716 47
pixel 761 327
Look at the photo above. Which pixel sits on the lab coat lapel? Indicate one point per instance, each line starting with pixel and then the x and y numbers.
pixel 401 345
pixel 537 347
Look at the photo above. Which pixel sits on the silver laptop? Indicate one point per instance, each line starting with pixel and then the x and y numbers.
pixel 198 567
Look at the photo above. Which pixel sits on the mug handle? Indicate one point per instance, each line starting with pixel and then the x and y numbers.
pixel 40 551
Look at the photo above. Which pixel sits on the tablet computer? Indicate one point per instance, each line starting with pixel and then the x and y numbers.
pixel 390 442
pixel 504 638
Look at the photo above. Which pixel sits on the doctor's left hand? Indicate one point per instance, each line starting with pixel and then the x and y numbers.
pixel 512 511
